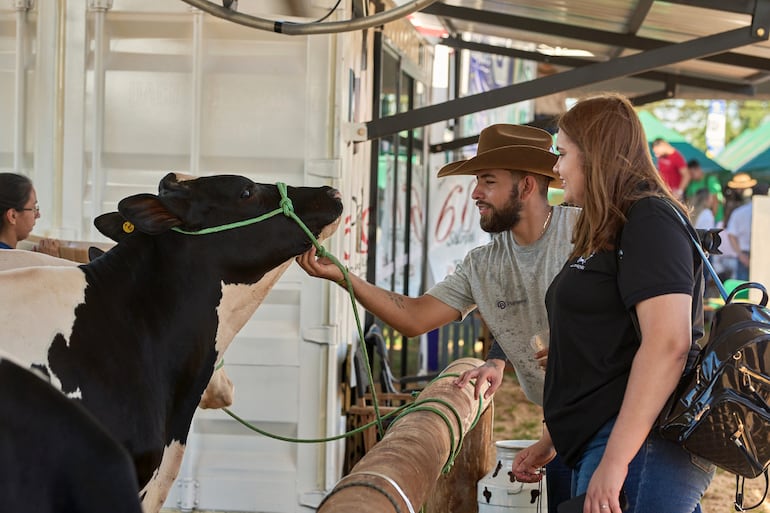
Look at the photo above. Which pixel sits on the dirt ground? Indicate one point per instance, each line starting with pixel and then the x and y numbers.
pixel 518 419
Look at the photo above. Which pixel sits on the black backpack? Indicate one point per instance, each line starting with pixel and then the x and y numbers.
pixel 720 411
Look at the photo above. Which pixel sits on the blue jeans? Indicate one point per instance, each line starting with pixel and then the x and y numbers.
pixel 558 483
pixel 662 477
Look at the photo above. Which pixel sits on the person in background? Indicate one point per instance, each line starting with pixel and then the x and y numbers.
pixel 548 108
pixel 704 204
pixel 739 225
pixel 605 385
pixel 18 204
pixel 505 279
pixel 672 167
pixel 700 180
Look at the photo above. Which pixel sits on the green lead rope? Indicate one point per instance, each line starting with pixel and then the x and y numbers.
pixel 286 208
pixel 400 412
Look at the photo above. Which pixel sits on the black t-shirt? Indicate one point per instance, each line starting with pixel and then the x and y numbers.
pixel 593 339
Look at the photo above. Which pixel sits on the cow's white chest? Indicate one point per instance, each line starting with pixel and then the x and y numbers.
pixel 239 302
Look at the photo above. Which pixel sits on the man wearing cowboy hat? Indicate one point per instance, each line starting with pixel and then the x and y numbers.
pixel 505 279
pixel 739 224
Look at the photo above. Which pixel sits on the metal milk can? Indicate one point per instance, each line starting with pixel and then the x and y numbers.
pixel 500 492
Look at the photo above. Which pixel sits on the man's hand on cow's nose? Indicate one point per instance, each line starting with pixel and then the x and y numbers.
pixel 319 267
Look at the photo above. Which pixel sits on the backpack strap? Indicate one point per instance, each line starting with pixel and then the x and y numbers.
pixel 739 485
pixel 694 238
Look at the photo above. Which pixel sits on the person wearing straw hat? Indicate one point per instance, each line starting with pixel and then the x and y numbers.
pixel 505 279
pixel 739 224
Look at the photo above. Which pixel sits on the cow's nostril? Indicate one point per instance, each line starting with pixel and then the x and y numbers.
pixel 334 193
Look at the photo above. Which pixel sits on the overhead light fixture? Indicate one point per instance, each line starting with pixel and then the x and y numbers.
pixel 562 52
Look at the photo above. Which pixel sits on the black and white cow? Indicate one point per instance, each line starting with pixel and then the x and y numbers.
pixel 219 392
pixel 133 335
pixel 55 457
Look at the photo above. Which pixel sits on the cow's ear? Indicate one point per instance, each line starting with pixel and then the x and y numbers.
pixel 180 177
pixel 148 214
pixel 114 226
pixel 94 253
pixel 170 185
pixel 174 192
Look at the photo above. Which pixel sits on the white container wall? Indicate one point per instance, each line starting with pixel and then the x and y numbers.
pixel 102 98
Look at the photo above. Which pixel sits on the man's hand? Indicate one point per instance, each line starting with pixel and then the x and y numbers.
pixel 319 267
pixel 491 373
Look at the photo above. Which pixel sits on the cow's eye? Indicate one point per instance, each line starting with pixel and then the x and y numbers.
pixel 245 193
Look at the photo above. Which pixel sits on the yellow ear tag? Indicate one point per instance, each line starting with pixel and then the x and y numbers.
pixel 128 227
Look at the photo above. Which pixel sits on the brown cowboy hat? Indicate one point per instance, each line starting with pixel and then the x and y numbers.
pixel 741 181
pixel 514 147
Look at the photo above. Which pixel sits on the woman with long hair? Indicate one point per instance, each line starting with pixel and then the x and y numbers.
pixel 607 380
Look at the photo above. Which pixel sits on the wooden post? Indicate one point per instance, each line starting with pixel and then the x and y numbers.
pixel 456 492
pixel 400 471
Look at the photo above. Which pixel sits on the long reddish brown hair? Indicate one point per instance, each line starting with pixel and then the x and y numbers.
pixel 617 165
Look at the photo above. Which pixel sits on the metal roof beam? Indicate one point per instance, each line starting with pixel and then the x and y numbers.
pixel 583 33
pixel 653 97
pixel 456 42
pixel 736 6
pixel 454 144
pixel 590 74
pixel 760 20
pixel 742 88
pixel 668 92
pixel 461 142
pixel 634 22
pixel 641 11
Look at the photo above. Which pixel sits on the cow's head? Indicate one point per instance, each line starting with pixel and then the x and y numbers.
pixel 215 214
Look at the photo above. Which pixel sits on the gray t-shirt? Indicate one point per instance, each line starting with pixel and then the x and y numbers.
pixel 507 282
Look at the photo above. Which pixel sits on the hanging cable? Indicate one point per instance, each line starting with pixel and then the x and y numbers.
pixel 295 29
pixel 319 20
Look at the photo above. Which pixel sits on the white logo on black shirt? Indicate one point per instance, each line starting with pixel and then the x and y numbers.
pixel 580 263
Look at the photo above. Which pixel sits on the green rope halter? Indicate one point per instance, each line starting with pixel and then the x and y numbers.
pixel 286 208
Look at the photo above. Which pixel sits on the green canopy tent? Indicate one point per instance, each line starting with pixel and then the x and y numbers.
pixel 743 148
pixel 749 153
pixel 758 167
pixel 654 129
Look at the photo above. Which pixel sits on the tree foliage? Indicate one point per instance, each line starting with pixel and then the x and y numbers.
pixel 688 117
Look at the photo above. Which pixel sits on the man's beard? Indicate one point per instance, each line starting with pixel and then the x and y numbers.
pixel 505 218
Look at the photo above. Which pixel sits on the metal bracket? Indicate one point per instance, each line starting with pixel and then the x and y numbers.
pixel 325 168
pixel 321 335
pixel 22 5
pixel 188 494
pixel 760 21
pixel 354 132
pixel 99 5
